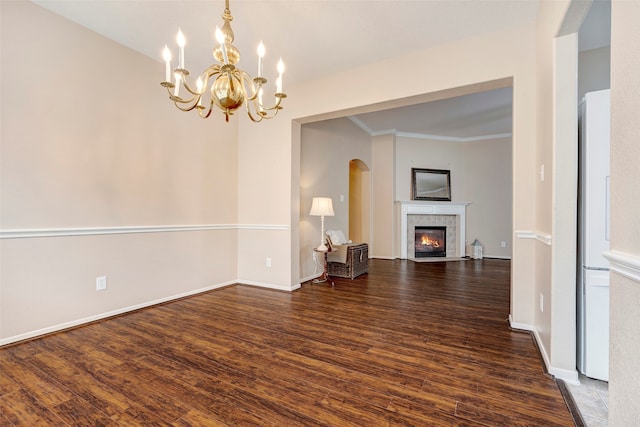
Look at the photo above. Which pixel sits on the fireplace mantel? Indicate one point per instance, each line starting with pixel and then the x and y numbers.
pixel 432 208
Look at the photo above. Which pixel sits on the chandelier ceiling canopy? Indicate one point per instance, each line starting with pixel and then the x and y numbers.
pixel 222 84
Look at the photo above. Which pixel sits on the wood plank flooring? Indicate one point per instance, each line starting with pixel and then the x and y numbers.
pixel 415 344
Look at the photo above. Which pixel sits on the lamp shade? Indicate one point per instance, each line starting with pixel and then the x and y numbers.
pixel 322 206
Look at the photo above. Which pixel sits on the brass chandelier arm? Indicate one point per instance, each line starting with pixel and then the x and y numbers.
pixel 193 104
pixel 179 100
pixel 205 76
pixel 202 113
pixel 246 78
pixel 193 101
pixel 258 115
pixel 255 88
pixel 276 106
pixel 253 99
pixel 189 107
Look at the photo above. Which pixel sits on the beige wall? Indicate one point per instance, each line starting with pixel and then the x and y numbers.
pixel 489 188
pixel 554 294
pixel 430 154
pixel 564 214
pixel 383 174
pixel 555 196
pixel 624 371
pixel 267 199
pixel 480 174
pixel 326 149
pixel 91 144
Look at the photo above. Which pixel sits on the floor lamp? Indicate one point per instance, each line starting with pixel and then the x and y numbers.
pixel 322 206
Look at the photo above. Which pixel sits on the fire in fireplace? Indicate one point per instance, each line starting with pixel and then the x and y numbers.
pixel 430 242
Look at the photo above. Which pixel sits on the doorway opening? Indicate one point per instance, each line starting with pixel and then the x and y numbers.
pixel 359 201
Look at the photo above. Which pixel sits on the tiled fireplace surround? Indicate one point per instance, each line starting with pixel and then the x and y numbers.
pixel 449 221
pixel 417 213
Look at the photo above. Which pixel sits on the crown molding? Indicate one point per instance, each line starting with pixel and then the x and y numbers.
pixel 417 135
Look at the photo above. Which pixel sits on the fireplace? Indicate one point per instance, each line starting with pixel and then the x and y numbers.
pixel 430 241
pixel 444 214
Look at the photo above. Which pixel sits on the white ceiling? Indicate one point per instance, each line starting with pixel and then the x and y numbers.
pixel 477 116
pixel 319 37
pixel 314 37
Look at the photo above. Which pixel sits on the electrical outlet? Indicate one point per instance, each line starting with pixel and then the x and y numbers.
pixel 542 173
pixel 503 244
pixel 541 303
pixel 101 283
pixel 268 262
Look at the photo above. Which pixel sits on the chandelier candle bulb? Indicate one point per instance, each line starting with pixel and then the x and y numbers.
pixel 200 91
pixel 181 42
pixel 279 80
pixel 177 89
pixel 261 52
pixel 220 38
pixel 166 55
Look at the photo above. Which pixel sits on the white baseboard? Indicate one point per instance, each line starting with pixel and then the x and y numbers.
pixel 520 326
pixel 269 285
pixel 310 277
pixel 566 375
pixel 89 319
pixel 569 376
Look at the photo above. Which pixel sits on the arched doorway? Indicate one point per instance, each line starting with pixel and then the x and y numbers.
pixel 359 201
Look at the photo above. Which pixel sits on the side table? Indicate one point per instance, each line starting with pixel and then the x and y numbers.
pixel 324 277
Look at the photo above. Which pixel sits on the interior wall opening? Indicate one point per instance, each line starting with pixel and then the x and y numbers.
pixel 359 201
pixel 330 141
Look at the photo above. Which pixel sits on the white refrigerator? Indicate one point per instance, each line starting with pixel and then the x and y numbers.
pixel 593 236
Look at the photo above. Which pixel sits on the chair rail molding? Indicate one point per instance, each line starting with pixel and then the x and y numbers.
pixel 625 264
pixel 93 231
pixel 535 235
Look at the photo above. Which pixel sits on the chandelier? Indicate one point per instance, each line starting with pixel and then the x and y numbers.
pixel 230 86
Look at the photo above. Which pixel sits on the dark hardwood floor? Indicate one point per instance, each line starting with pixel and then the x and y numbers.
pixel 418 344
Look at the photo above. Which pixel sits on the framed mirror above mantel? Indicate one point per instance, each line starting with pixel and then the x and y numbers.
pixel 430 184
